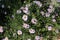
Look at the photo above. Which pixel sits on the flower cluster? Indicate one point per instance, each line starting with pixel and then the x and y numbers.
pixel 33 21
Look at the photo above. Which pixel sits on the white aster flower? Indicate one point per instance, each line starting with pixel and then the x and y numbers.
pixel 1 29
pixel 19 32
pixel 18 11
pixel 47 14
pixel 31 31
pixel 34 21
pixel 49 28
pixel 50 10
pixel 25 17
pixel 25 10
pixel 38 3
pixel 6 38
pixel 54 20
pixel 26 26
pixel 37 37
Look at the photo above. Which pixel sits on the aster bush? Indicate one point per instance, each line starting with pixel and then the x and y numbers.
pixel 29 20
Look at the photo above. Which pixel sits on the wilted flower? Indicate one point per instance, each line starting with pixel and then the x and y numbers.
pixel 37 37
pixel 34 21
pixel 1 29
pixel 25 17
pixel 38 3
pixel 26 25
pixel 6 38
pixel 31 31
pixel 19 32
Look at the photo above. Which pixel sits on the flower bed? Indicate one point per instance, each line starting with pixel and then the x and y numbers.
pixel 29 20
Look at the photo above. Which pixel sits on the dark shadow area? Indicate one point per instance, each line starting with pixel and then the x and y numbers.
pixel 5 12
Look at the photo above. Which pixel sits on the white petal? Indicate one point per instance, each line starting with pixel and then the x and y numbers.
pixel 19 32
pixel 37 37
pixel 47 14
pixel 25 17
pixel 26 26
pixel 38 3
pixel 31 30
